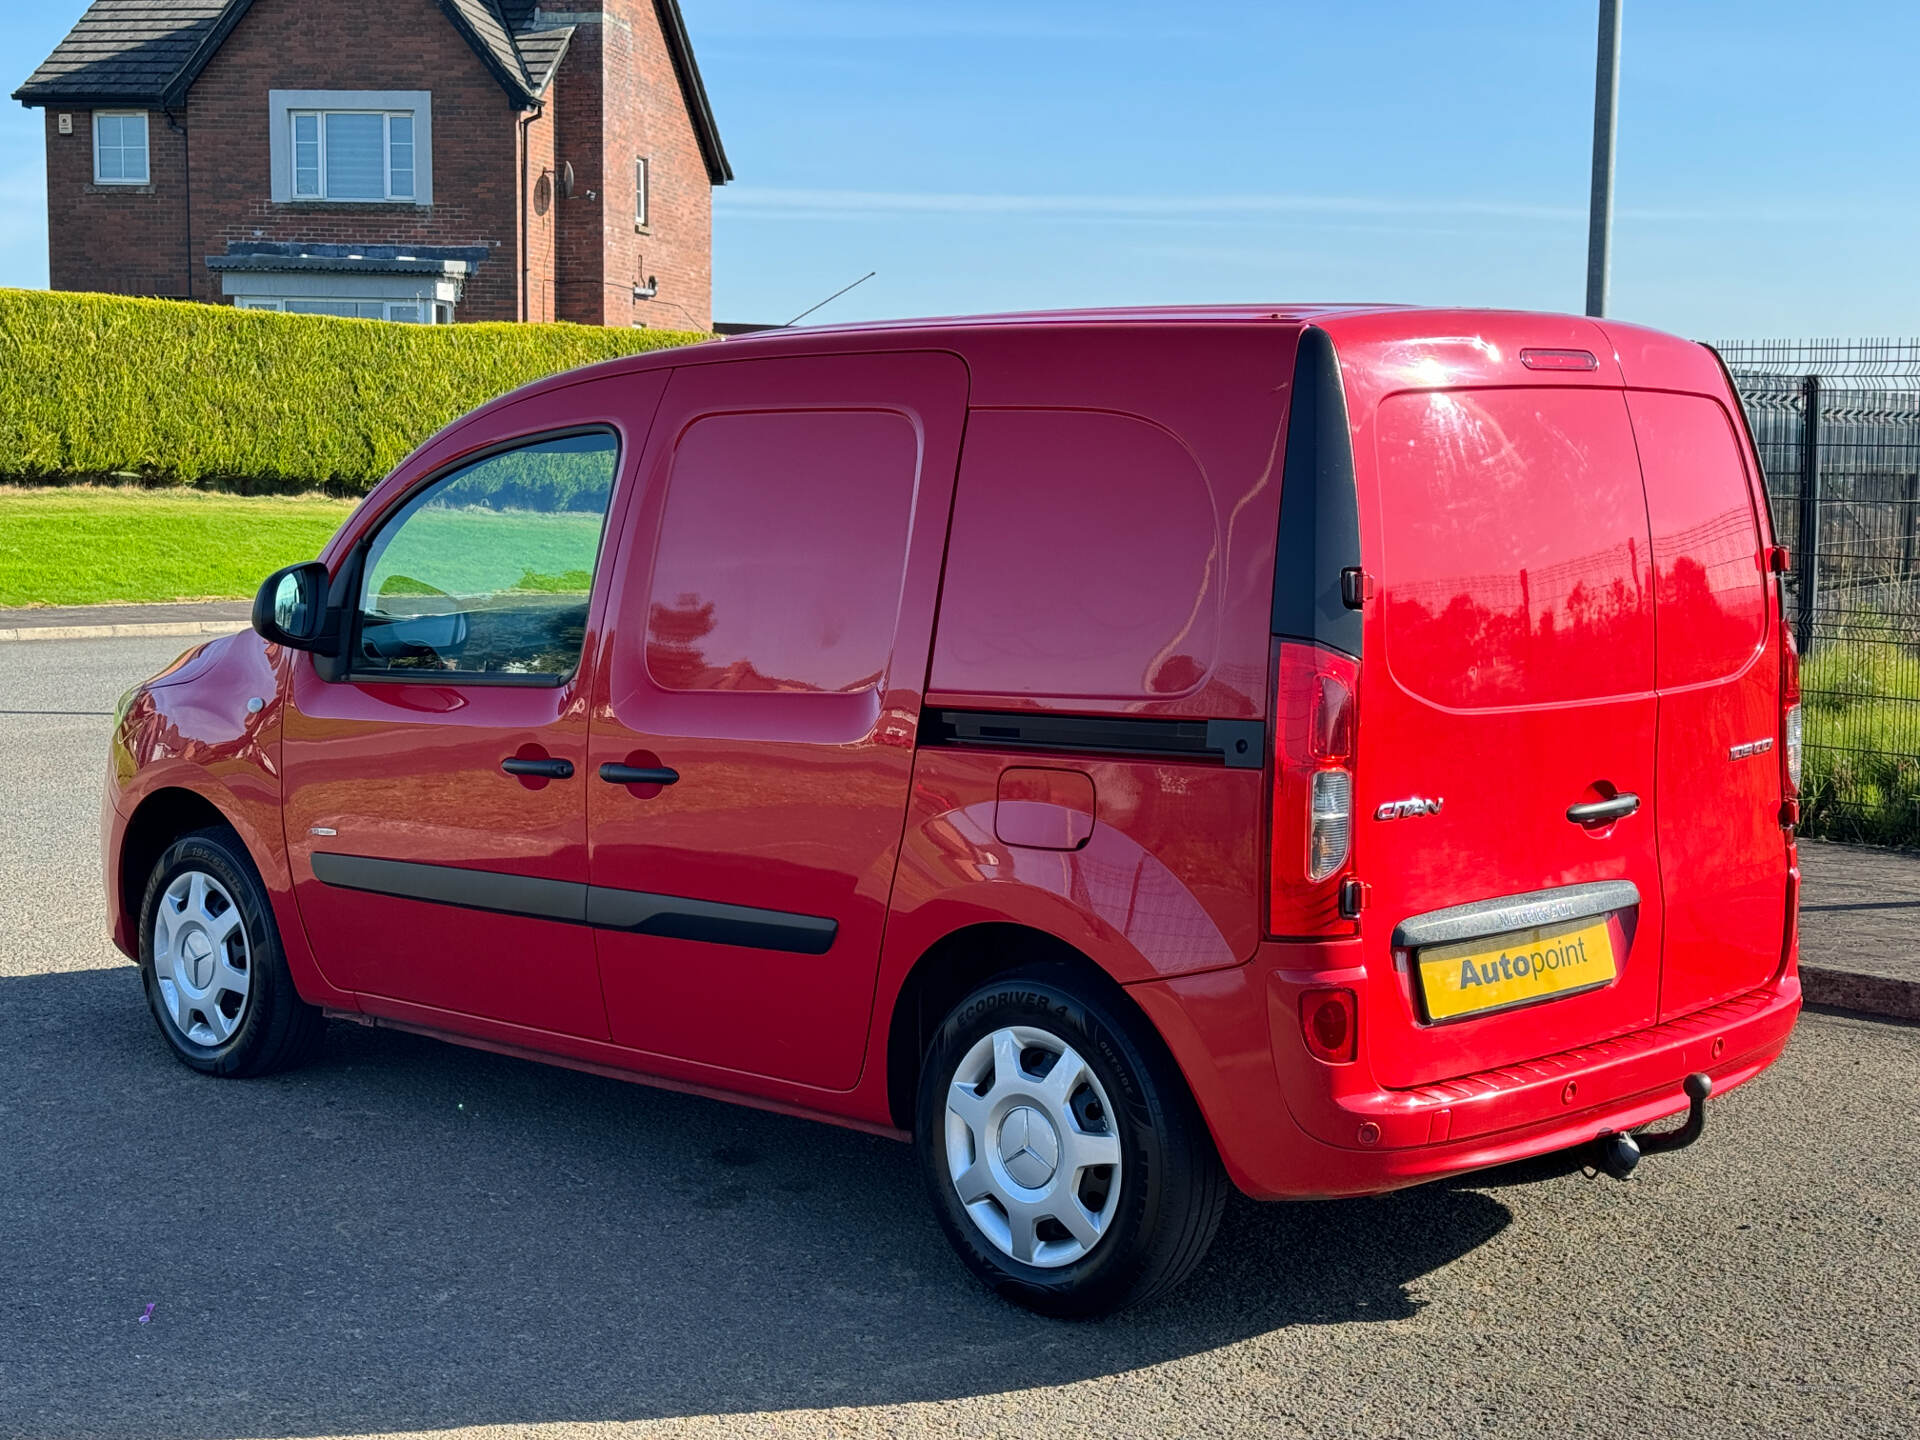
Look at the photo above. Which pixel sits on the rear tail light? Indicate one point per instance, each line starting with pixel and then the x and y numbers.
pixel 1329 1020
pixel 1316 718
pixel 1790 714
pixel 1330 827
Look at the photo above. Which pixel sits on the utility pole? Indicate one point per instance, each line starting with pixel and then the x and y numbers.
pixel 1606 121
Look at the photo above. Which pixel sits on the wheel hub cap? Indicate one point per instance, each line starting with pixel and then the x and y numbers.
pixel 202 959
pixel 1029 1147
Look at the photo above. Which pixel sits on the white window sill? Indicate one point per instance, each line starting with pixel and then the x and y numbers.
pixel 317 202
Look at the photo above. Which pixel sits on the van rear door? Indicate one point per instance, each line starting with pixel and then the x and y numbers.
pixel 1723 856
pixel 1507 682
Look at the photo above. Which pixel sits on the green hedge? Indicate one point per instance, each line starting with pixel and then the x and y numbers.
pixel 95 387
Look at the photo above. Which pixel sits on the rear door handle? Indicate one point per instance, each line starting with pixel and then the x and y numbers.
pixel 1599 812
pixel 545 769
pixel 638 775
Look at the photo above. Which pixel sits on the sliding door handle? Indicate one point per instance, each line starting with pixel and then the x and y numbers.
pixel 1604 812
pixel 542 769
pixel 638 775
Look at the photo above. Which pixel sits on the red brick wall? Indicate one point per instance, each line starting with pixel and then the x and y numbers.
pixel 342 45
pixel 543 211
pixel 624 100
pixel 580 246
pixel 616 97
pixel 122 239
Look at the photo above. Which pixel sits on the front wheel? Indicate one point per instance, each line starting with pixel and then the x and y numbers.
pixel 1064 1157
pixel 215 976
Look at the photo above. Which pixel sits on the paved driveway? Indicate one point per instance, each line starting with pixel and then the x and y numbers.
pixel 412 1237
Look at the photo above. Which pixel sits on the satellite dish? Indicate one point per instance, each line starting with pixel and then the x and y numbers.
pixel 566 179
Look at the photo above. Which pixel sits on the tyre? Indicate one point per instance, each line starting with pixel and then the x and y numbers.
pixel 1063 1154
pixel 215 975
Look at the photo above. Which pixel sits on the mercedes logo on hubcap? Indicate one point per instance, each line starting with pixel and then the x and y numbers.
pixel 1029 1148
pixel 198 953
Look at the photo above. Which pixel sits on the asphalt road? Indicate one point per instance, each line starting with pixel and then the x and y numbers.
pixel 411 1237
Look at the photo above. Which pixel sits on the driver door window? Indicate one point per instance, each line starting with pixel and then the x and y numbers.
pixel 487 572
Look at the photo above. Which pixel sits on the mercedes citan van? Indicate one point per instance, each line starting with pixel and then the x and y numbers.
pixel 1316 749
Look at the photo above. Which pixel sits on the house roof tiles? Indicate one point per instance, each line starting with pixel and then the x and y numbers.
pixel 151 51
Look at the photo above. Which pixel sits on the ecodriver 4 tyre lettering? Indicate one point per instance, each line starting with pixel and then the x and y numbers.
pixel 1063 1155
pixel 215 976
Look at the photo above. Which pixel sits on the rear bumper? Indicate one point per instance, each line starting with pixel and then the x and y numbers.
pixel 1289 1127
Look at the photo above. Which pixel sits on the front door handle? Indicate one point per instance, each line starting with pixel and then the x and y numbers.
pixel 1604 812
pixel 544 769
pixel 638 775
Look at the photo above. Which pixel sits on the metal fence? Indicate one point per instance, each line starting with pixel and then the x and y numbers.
pixel 1838 428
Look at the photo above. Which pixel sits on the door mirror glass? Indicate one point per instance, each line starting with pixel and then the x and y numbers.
pixel 291 608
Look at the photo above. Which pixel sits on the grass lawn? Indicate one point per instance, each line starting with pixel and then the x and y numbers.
pixel 91 546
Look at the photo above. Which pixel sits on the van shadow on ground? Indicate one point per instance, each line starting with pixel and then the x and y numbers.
pixel 410 1235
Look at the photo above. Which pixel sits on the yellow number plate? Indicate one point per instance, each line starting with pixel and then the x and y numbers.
pixel 1473 976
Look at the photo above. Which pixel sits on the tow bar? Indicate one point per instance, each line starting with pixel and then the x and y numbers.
pixel 1621 1152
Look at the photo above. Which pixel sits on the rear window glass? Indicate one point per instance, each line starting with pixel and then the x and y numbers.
pixel 1711 589
pixel 782 552
pixel 1515 537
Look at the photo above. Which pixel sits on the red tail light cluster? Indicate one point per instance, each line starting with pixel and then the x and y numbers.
pixel 1790 730
pixel 1316 714
pixel 1330 1020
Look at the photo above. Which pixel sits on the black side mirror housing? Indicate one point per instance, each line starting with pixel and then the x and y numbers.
pixel 291 609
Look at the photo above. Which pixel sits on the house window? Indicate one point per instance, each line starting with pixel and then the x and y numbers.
pixel 120 147
pixel 352 154
pixel 640 191
pixel 406 312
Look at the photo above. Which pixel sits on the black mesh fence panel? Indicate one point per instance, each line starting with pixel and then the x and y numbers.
pixel 1837 424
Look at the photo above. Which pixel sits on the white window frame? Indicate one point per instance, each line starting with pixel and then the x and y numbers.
pixel 284 105
pixel 146 148
pixel 387 167
pixel 642 200
pixel 425 311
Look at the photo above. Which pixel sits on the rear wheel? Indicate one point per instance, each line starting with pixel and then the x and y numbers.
pixel 215 976
pixel 1063 1155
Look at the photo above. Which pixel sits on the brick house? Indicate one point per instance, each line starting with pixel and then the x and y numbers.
pixel 423 160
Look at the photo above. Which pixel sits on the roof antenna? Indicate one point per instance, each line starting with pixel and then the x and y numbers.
pixel 830 299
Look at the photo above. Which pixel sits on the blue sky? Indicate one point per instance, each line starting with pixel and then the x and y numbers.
pixel 1001 154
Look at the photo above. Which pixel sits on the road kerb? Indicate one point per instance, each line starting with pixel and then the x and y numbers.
pixel 1888 995
pixel 156 630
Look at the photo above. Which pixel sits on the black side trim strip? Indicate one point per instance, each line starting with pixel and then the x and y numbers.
pixel 1238 744
pixel 1515 912
pixel 450 885
pixel 1319 508
pixel 707 920
pixel 603 907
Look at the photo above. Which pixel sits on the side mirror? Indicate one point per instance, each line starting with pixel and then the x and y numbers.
pixel 291 608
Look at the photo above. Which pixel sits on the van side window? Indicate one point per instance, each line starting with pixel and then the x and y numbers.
pixel 1085 561
pixel 488 570
pixel 1515 530
pixel 1711 587
pixel 782 552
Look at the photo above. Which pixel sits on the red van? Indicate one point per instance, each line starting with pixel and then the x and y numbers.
pixel 1322 749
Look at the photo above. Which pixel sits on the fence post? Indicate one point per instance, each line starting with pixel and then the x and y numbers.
pixel 1807 562
pixel 1912 528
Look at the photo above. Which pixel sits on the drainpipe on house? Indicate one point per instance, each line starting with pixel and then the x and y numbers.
pixel 526 210
pixel 186 166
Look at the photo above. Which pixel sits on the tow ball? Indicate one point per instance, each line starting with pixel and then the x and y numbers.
pixel 1620 1153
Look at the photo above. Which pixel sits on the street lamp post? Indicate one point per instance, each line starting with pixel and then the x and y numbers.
pixel 1606 120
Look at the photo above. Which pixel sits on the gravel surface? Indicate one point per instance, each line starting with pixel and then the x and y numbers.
pixel 411 1237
